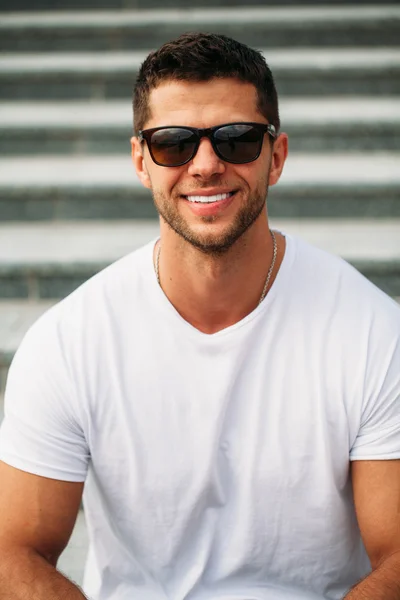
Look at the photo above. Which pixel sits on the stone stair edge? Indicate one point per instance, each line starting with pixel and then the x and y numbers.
pixel 111 113
pixel 76 244
pixel 344 59
pixel 116 171
pixel 271 15
pixel 258 26
pixel 85 269
pixel 10 6
pixel 79 251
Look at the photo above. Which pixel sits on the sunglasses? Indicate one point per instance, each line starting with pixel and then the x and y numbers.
pixel 236 143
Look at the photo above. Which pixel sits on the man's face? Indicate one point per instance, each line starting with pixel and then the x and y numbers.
pixel 212 227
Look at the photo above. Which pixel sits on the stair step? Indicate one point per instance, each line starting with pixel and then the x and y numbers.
pixel 322 111
pixel 101 75
pixel 49 260
pixel 106 187
pixel 116 30
pixel 65 5
pixel 331 124
pixel 117 169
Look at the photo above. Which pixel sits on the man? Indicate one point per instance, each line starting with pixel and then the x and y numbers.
pixel 229 394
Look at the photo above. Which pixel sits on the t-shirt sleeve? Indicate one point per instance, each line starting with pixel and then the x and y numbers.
pixel 379 433
pixel 42 431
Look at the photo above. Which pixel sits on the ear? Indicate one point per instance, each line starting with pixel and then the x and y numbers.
pixel 137 150
pixel 279 154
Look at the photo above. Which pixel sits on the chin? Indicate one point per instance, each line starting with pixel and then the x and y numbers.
pixel 211 236
pixel 212 244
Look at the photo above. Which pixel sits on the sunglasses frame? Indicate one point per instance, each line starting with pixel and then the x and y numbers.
pixel 208 132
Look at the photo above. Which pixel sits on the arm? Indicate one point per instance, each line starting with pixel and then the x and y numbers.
pixel 37 516
pixel 376 486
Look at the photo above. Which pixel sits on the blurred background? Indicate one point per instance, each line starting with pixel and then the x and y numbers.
pixel 70 202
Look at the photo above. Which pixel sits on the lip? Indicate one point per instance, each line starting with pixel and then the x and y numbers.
pixel 208 192
pixel 214 209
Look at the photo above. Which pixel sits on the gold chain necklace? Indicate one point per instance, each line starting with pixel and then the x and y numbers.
pixel 269 274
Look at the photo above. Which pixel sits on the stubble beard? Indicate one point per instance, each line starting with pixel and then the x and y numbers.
pixel 212 244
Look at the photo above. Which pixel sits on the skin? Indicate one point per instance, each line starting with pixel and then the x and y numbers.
pixel 212 270
pixel 376 488
pixel 37 514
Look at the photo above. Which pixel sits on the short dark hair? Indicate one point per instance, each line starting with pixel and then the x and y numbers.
pixel 202 57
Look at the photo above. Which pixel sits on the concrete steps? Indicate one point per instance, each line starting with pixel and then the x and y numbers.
pixel 79 5
pixel 110 75
pixel 49 260
pixel 330 124
pixel 69 200
pixel 260 26
pixel 313 185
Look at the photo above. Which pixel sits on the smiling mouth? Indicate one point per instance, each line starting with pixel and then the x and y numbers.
pixel 209 199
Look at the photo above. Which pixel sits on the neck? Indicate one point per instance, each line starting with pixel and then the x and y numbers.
pixel 214 292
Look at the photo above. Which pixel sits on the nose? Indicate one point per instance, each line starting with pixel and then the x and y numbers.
pixel 206 163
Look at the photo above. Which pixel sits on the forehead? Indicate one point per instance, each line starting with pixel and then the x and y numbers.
pixel 203 104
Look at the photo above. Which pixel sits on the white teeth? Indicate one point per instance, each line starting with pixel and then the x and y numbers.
pixel 208 199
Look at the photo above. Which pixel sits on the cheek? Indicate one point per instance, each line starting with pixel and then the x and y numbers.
pixel 250 175
pixel 263 171
pixel 165 179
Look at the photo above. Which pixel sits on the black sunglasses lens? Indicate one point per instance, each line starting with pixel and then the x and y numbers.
pixel 239 143
pixel 173 146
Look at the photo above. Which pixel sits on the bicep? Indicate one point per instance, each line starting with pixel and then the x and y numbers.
pixel 36 512
pixel 376 488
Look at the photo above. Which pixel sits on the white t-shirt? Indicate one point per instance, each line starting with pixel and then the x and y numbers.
pixel 216 466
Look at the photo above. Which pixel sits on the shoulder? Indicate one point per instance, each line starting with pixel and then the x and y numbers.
pixel 326 279
pixel 82 317
pixel 340 309
pixel 122 275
